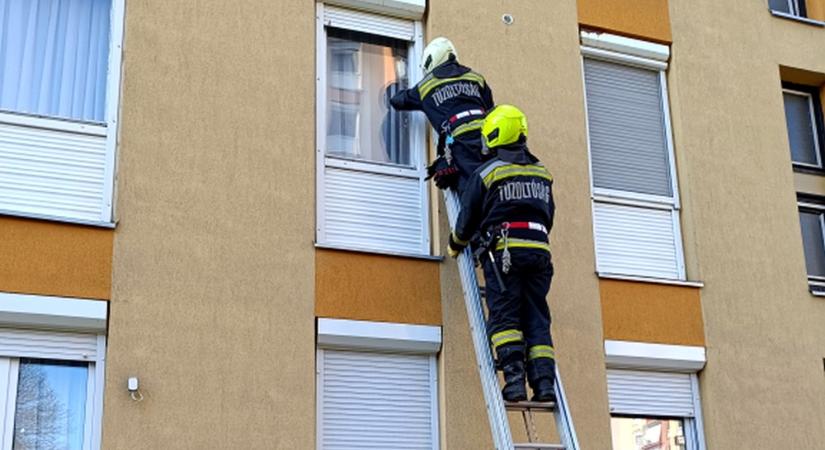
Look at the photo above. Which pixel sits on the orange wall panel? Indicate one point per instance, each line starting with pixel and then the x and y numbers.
pixel 50 258
pixel 816 9
pixel 647 312
pixel 362 286
pixel 643 19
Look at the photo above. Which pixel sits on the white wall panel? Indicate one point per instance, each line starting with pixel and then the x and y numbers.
pixel 636 241
pixel 373 211
pixel 53 173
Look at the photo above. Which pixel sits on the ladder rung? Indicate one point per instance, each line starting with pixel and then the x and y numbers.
pixel 530 406
pixel 536 446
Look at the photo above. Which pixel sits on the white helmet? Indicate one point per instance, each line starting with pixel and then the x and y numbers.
pixel 438 51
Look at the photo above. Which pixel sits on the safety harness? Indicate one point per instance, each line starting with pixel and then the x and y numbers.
pixel 498 238
pixel 450 133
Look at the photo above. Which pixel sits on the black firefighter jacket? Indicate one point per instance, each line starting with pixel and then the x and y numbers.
pixel 512 187
pixel 448 90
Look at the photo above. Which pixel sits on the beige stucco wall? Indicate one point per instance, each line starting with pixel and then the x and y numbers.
pixel 212 290
pixel 534 64
pixel 763 384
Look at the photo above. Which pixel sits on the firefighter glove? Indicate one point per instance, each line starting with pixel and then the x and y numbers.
pixel 444 174
pixel 454 246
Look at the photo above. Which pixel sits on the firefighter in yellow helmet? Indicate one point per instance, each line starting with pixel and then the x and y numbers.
pixel 509 201
pixel 454 99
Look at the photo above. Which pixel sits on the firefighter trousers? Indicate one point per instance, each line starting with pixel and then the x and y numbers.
pixel 519 318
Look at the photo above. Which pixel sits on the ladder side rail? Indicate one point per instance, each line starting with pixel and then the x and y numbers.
pixel 497 414
pixel 564 421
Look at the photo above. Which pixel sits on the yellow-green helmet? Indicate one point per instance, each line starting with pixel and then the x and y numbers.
pixel 503 125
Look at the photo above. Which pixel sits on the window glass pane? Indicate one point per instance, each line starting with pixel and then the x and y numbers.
pixel 631 433
pixel 51 405
pixel 813 241
pixel 626 124
pixel 780 5
pixel 363 72
pixel 54 56
pixel 800 128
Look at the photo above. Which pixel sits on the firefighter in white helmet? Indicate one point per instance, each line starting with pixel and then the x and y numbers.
pixel 455 100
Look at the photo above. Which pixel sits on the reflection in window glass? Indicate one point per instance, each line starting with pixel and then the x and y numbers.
pixel 813 241
pixel 631 433
pixel 801 129
pixel 51 405
pixel 363 72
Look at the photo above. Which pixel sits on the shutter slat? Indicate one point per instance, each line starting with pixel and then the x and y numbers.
pixel 373 211
pixel 628 144
pixel 650 393
pixel 376 400
pixel 52 172
pixel 635 241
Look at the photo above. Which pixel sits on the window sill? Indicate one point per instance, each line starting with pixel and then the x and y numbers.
pixel 808 170
pixel 379 252
pixel 671 282
pixel 816 287
pixel 46 217
pixel 806 20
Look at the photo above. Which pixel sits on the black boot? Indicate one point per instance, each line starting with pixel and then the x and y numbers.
pixel 511 362
pixel 542 375
pixel 514 390
pixel 543 390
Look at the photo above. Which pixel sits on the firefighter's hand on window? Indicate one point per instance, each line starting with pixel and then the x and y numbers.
pixel 445 175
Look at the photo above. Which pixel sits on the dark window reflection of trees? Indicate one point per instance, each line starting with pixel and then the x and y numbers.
pixel 42 417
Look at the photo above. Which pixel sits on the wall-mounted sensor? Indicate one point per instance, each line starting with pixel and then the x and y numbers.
pixel 133 385
pixel 507 19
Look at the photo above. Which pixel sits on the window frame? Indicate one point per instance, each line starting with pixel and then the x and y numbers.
pixel 693 427
pixel 816 284
pixel 418 147
pixel 645 55
pixel 663 358
pixel 815 113
pixel 107 129
pixel 794 7
pixel 94 392
pixel 378 337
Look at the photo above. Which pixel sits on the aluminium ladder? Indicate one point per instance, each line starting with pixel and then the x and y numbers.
pixel 496 407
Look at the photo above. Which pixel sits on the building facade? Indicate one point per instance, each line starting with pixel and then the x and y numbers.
pixel 214 234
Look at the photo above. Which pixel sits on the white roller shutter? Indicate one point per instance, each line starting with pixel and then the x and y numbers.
pixel 370 400
pixel 372 211
pixel 634 240
pixel 54 173
pixel 650 393
pixel 628 143
pixel 48 345
pixel 369 23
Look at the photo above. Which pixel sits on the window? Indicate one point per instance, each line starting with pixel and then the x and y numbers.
pixel 59 88
pixel 791 7
pixel 371 193
pixel 803 117
pixel 362 366
pixel 634 189
pixel 812 225
pixel 654 410
pixel 51 386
